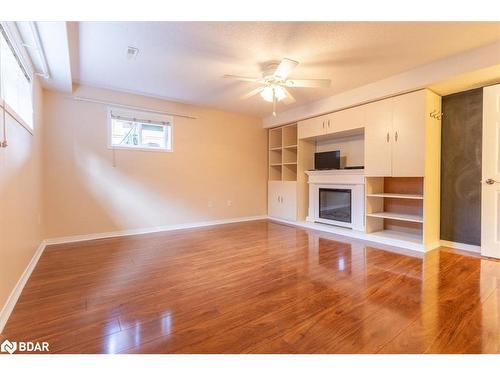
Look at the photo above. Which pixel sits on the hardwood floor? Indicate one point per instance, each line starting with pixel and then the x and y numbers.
pixel 257 287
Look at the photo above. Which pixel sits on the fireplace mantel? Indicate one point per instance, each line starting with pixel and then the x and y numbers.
pixel 353 179
pixel 337 176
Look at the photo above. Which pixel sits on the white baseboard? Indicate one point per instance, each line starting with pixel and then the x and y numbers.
pixel 461 246
pixel 16 292
pixel 163 228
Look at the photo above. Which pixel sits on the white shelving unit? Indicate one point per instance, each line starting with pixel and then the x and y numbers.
pixel 394 208
pixel 283 153
pixel 289 157
pixel 397 216
pixel 395 195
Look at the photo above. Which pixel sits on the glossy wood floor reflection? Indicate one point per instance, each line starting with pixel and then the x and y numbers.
pixel 257 287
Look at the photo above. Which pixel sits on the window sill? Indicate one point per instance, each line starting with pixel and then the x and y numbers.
pixel 147 149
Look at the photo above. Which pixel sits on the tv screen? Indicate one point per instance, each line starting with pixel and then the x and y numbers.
pixel 327 160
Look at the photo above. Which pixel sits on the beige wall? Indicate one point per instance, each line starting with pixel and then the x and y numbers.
pixel 20 194
pixel 352 149
pixel 217 158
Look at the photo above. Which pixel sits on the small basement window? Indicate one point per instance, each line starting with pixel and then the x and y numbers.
pixel 139 130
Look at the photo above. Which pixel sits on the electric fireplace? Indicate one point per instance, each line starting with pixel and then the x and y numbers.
pixel 335 204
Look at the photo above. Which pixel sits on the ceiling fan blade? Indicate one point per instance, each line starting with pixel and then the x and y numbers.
pixel 289 99
pixel 240 78
pixel 252 93
pixel 285 68
pixel 308 83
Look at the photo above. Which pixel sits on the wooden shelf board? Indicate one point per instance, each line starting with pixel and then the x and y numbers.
pixel 275 165
pixel 275 148
pixel 399 196
pixel 397 216
pixel 290 146
pixel 290 163
pixel 399 235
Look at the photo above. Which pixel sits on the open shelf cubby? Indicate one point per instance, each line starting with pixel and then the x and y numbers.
pixel 289 155
pixel 275 138
pixel 289 172
pixel 275 157
pixel 394 207
pixel 289 135
pixel 275 173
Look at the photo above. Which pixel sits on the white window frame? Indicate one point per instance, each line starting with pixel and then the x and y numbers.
pixel 13 38
pixel 153 118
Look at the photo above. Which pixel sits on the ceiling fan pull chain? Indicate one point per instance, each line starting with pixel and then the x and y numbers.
pixel 274 103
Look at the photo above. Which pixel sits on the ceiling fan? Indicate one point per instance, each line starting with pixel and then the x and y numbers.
pixel 274 83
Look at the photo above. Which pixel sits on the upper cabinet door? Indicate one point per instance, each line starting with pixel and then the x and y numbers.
pixel 408 150
pixel 312 127
pixel 378 138
pixel 348 119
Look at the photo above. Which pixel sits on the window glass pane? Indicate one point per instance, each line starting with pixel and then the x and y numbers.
pixel 16 88
pixel 126 133
pixel 153 135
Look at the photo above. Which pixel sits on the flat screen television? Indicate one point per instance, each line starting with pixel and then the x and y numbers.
pixel 327 160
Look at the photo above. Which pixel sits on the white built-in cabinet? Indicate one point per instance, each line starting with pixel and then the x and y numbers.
pixel 282 199
pixel 378 150
pixel 395 135
pixel 402 138
pixel 332 123
pixel 288 158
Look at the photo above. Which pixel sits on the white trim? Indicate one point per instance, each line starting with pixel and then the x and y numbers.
pixel 16 292
pixel 461 246
pixel 15 39
pixel 164 228
pixel 14 116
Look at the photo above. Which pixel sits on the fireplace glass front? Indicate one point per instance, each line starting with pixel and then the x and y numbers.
pixel 335 204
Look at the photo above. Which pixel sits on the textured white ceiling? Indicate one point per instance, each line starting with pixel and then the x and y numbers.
pixel 185 61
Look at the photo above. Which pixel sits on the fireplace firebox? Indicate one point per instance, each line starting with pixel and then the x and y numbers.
pixel 335 205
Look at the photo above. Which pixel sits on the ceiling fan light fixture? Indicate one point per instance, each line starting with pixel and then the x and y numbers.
pixel 267 93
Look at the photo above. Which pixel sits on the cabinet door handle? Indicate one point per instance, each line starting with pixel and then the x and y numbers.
pixel 396 136
pixel 323 124
pixel 387 137
pixel 328 122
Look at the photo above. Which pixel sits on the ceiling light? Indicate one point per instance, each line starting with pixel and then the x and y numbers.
pixel 267 93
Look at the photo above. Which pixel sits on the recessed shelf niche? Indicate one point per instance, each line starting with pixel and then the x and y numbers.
pixel 394 207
